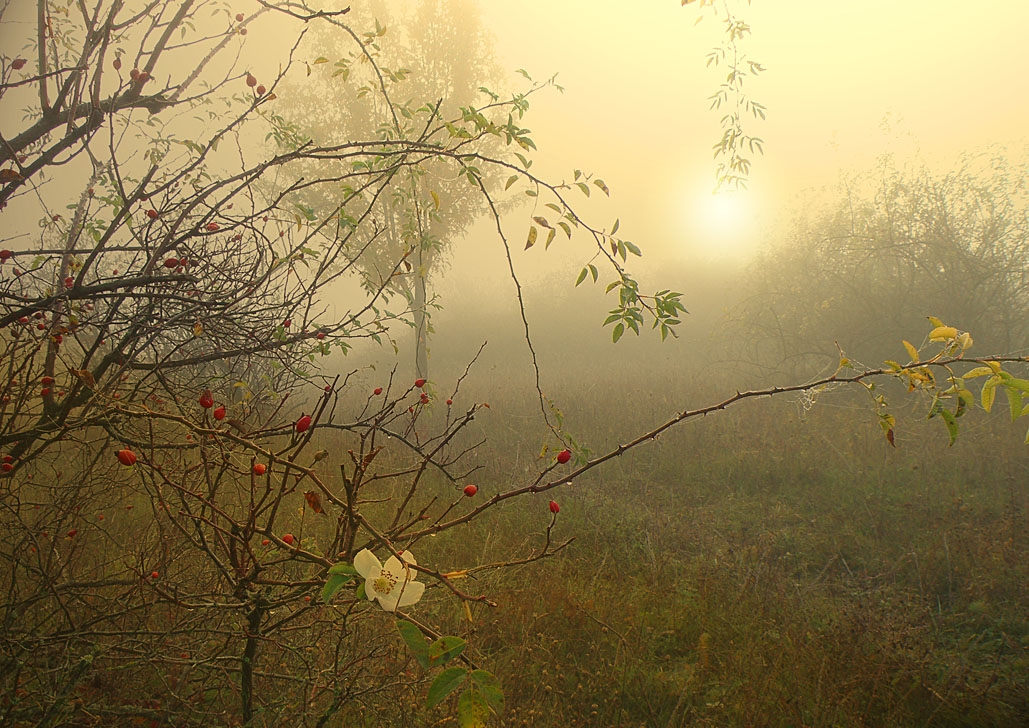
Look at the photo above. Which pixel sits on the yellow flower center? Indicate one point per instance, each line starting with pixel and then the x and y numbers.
pixel 385 583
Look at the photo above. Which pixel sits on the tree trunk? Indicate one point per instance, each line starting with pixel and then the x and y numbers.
pixel 421 321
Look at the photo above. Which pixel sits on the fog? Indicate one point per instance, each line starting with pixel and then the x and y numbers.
pixel 699 394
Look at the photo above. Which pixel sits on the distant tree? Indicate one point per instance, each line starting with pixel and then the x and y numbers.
pixel 431 55
pixel 865 267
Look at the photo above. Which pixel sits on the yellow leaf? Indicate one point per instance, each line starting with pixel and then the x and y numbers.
pixel 435 198
pixel 912 351
pixel 989 392
pixel 935 321
pixel 532 237
pixel 467 611
pixel 943 333
pixel 455 574
pixel 198 329
pixel 978 372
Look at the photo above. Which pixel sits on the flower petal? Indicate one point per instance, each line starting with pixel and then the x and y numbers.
pixel 369 589
pixel 367 564
pixel 388 601
pixel 394 566
pixel 411 593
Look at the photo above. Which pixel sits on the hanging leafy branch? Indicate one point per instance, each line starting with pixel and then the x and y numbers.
pixel 737 145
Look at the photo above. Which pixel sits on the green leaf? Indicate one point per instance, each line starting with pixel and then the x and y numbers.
pixel 332 585
pixel 343 568
pixel 614 228
pixel 952 425
pixel 361 593
pixel 418 644
pixel 444 684
pixel 617 333
pixel 568 230
pixel 1020 384
pixel 445 649
pixel 472 710
pixel 510 181
pixel 600 183
pixel 489 686
pixel 1015 401
pixel 582 276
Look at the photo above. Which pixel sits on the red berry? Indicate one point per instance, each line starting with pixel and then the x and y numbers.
pixel 260 90
pixel 554 507
pixel 18 63
pixel 8 459
pixel 23 320
pixel 239 17
pixel 219 414
pixel 117 64
pixel 419 383
pixel 307 599
pixel 378 390
pixel 71 533
pixel 564 456
pixel 470 490
pixel 207 399
pixel 69 282
pixel 321 335
pixel 6 467
pixel 126 457
pixel 260 468
pixel 44 391
pixel 265 542
pixel 212 227
pixel 450 402
pixel 328 387
pixel 286 324
pixel 288 539
pixel 171 263
pixel 5 254
pixel 303 423
pixel 40 326
pixel 58 339
pixel 152 214
pixel 143 77
pixel 425 398
pixel 242 31
pixel 154 575
pixel 134 74
pixel 46 381
pixel 251 81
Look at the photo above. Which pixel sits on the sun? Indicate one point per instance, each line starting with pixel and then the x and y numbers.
pixel 720 224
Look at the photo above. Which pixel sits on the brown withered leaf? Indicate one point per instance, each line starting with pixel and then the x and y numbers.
pixel 238 426
pixel 314 500
pixel 85 376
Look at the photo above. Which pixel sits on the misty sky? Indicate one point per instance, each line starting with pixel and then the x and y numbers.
pixel 846 82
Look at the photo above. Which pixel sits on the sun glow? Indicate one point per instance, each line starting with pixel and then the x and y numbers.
pixel 722 224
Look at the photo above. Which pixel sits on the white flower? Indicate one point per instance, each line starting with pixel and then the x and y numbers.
pixel 393 584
